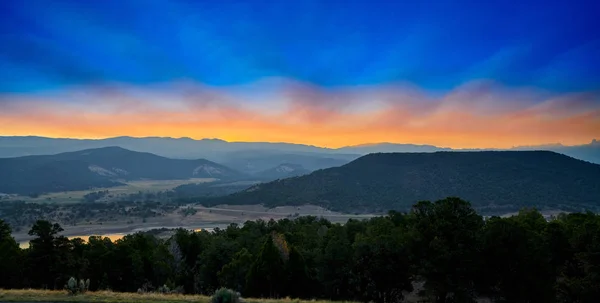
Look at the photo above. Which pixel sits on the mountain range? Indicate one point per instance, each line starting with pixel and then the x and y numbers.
pixel 246 157
pixel 492 181
pixel 251 157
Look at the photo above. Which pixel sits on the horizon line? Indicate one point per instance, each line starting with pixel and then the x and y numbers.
pixel 590 142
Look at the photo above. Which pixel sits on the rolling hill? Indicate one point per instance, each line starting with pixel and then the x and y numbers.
pixel 488 179
pixel 102 167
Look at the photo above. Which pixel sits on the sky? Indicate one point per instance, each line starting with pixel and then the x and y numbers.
pixel 460 74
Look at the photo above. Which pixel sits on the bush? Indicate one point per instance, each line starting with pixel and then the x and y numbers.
pixel 225 295
pixel 75 288
pixel 163 289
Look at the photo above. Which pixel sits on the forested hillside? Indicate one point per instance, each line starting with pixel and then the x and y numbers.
pixel 444 248
pixel 493 180
pixel 100 167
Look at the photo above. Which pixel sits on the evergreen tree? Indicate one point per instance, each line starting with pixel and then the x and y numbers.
pixel 266 277
pixel 10 258
pixel 233 274
pixel 45 259
pixel 444 238
pixel 298 277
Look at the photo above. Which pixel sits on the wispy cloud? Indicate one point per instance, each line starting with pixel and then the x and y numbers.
pixel 478 114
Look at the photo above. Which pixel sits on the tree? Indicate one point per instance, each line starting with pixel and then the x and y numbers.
pixel 443 240
pixel 45 259
pixel 10 258
pixel 444 244
pixel 515 262
pixel 298 278
pixel 266 277
pixel 218 252
pixel 381 263
pixel 579 280
pixel 335 264
pixel 99 253
pixel 233 274
pixel 188 245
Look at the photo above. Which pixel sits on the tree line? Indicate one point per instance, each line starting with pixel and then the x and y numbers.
pixel 443 248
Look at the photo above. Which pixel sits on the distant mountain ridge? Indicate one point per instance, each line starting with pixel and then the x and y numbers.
pixel 488 179
pixel 101 167
pixel 246 157
pixel 252 157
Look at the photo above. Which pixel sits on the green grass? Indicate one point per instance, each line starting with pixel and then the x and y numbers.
pixel 36 295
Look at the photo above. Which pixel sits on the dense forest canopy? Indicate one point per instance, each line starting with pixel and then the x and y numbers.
pixel 443 248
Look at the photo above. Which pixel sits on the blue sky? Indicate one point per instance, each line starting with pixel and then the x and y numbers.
pixel 435 45
pixel 329 73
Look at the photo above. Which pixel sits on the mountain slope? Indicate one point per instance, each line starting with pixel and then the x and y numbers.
pixel 589 152
pixel 378 182
pixel 100 167
pixel 35 176
pixel 258 161
pixel 390 148
pixel 285 170
pixel 132 165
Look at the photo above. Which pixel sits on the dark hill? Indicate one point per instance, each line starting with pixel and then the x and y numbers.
pixel 490 179
pixel 100 167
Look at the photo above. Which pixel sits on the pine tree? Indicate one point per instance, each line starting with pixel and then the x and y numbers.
pixel 266 277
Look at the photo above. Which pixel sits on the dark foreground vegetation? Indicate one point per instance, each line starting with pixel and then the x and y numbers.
pixel 457 254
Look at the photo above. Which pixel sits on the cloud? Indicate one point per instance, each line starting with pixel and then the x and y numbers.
pixel 477 114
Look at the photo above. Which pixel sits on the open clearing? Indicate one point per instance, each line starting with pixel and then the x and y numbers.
pixel 131 187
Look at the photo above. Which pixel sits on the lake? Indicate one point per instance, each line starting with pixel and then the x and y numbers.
pixel 116 236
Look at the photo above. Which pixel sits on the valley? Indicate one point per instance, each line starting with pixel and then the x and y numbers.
pixel 191 226
pixel 181 151
pixel 151 191
pixel 139 208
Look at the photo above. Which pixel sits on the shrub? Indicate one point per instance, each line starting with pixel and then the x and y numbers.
pixel 163 289
pixel 225 295
pixel 75 288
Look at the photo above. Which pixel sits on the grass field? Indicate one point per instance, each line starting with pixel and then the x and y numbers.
pixel 131 187
pixel 35 295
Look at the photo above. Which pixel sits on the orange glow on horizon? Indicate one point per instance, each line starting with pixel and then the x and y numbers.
pixel 469 117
